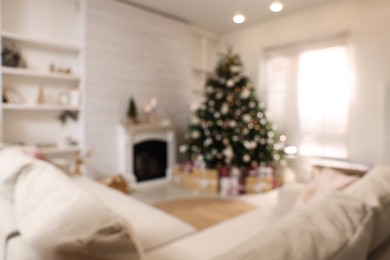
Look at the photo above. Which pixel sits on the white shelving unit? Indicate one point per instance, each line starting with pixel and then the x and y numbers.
pixel 46 33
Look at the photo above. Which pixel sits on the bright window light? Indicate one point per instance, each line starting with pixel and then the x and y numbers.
pixel 276 7
pixel 239 18
pixel 323 96
pixel 307 90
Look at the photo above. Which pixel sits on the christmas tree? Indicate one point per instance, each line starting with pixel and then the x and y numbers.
pixel 230 127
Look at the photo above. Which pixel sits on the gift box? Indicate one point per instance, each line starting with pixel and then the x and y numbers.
pixel 205 180
pixel 197 179
pixel 256 184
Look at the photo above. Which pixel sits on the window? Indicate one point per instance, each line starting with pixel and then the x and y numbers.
pixel 307 93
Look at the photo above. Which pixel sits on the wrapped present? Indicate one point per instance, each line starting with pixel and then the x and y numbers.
pixel 196 179
pixel 206 180
pixel 256 184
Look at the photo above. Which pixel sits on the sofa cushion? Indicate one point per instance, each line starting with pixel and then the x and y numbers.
pixel 336 227
pixel 374 189
pixel 62 221
pixel 153 227
pixel 215 240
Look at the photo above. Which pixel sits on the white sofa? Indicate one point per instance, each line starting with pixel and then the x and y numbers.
pixel 347 225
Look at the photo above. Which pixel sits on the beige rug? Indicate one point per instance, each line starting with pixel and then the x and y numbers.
pixel 204 212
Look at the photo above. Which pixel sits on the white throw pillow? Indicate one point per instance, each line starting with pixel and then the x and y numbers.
pixel 63 221
pixel 337 227
pixel 326 182
pixel 374 190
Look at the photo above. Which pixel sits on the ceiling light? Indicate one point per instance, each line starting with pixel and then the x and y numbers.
pixel 238 18
pixel 276 7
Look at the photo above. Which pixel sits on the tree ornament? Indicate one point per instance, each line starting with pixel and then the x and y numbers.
pixel 208 142
pixel 183 148
pixel 195 134
pixel 235 69
pixel 209 90
pixel 246 158
pixel 245 94
pixel 247 118
pixel 230 83
pixel 232 123
pixel 224 109
pixel 228 152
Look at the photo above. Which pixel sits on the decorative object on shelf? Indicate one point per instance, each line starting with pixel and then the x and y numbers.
pixel 230 127
pixel 58 69
pixel 80 160
pixel 68 114
pixel 11 56
pixel 63 98
pixel 132 112
pixel 41 99
pixel 151 111
pixel 74 98
pixel 117 182
pixel 12 96
pixel 70 141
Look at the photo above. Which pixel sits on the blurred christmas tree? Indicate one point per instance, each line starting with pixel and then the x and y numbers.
pixel 230 127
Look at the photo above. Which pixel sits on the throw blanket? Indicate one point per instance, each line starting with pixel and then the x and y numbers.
pixel 60 220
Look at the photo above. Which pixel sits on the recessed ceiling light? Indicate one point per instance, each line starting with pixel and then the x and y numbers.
pixel 239 18
pixel 276 7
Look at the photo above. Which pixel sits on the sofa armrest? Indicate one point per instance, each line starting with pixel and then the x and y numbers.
pixel 8 238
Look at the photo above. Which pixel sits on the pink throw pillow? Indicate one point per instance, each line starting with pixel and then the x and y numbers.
pixel 324 183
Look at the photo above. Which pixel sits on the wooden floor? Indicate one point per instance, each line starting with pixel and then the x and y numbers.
pixel 204 212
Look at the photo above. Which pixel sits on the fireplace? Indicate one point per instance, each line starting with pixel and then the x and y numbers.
pixel 150 160
pixel 146 153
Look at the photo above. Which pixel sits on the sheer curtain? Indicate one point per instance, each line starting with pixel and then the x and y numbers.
pixel 307 92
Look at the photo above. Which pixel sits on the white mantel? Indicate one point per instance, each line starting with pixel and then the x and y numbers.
pixel 131 135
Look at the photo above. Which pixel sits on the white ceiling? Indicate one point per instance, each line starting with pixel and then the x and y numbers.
pixel 216 15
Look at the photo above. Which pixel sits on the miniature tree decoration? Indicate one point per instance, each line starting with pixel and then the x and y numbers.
pixel 132 112
pixel 231 127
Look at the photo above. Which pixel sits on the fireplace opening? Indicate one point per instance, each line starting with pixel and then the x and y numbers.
pixel 150 160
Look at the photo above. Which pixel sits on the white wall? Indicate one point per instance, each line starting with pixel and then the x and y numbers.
pixel 368 22
pixel 131 52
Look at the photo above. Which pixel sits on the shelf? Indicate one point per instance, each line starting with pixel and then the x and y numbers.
pixel 38 107
pixel 38 74
pixel 35 41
